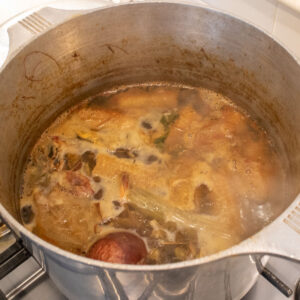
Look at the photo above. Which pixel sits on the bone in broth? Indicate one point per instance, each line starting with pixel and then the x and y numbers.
pixel 151 175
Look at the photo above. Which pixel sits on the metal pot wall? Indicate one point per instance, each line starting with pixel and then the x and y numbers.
pixel 140 42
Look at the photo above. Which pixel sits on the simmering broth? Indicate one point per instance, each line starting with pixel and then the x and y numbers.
pixel 151 174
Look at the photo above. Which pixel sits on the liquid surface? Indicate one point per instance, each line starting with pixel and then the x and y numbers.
pixel 183 169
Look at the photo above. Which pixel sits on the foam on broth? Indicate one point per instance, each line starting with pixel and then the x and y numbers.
pixel 183 168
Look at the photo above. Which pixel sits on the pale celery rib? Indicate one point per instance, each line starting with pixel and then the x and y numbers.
pixel 154 203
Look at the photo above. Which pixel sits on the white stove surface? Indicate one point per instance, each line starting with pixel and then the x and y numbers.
pixel 287 271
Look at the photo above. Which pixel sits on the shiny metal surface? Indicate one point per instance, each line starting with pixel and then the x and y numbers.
pixel 4 230
pixel 29 281
pixel 135 43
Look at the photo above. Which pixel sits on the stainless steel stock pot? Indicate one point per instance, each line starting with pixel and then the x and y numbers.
pixel 68 56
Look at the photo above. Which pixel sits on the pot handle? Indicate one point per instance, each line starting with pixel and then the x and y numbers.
pixel 25 27
pixel 280 238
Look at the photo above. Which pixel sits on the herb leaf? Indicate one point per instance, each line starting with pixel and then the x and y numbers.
pixel 167 119
pixel 159 142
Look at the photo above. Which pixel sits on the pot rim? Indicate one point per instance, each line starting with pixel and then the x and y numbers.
pixel 229 252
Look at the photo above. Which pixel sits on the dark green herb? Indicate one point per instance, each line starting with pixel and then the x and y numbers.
pixel 167 119
pixel 159 142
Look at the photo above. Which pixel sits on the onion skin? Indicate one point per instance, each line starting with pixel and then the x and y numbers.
pixel 119 247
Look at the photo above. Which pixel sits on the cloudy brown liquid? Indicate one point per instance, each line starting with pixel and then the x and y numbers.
pixel 182 168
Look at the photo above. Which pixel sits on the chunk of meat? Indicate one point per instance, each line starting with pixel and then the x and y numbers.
pixel 119 247
pixel 64 218
pixel 140 173
pixel 79 184
pixel 183 131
